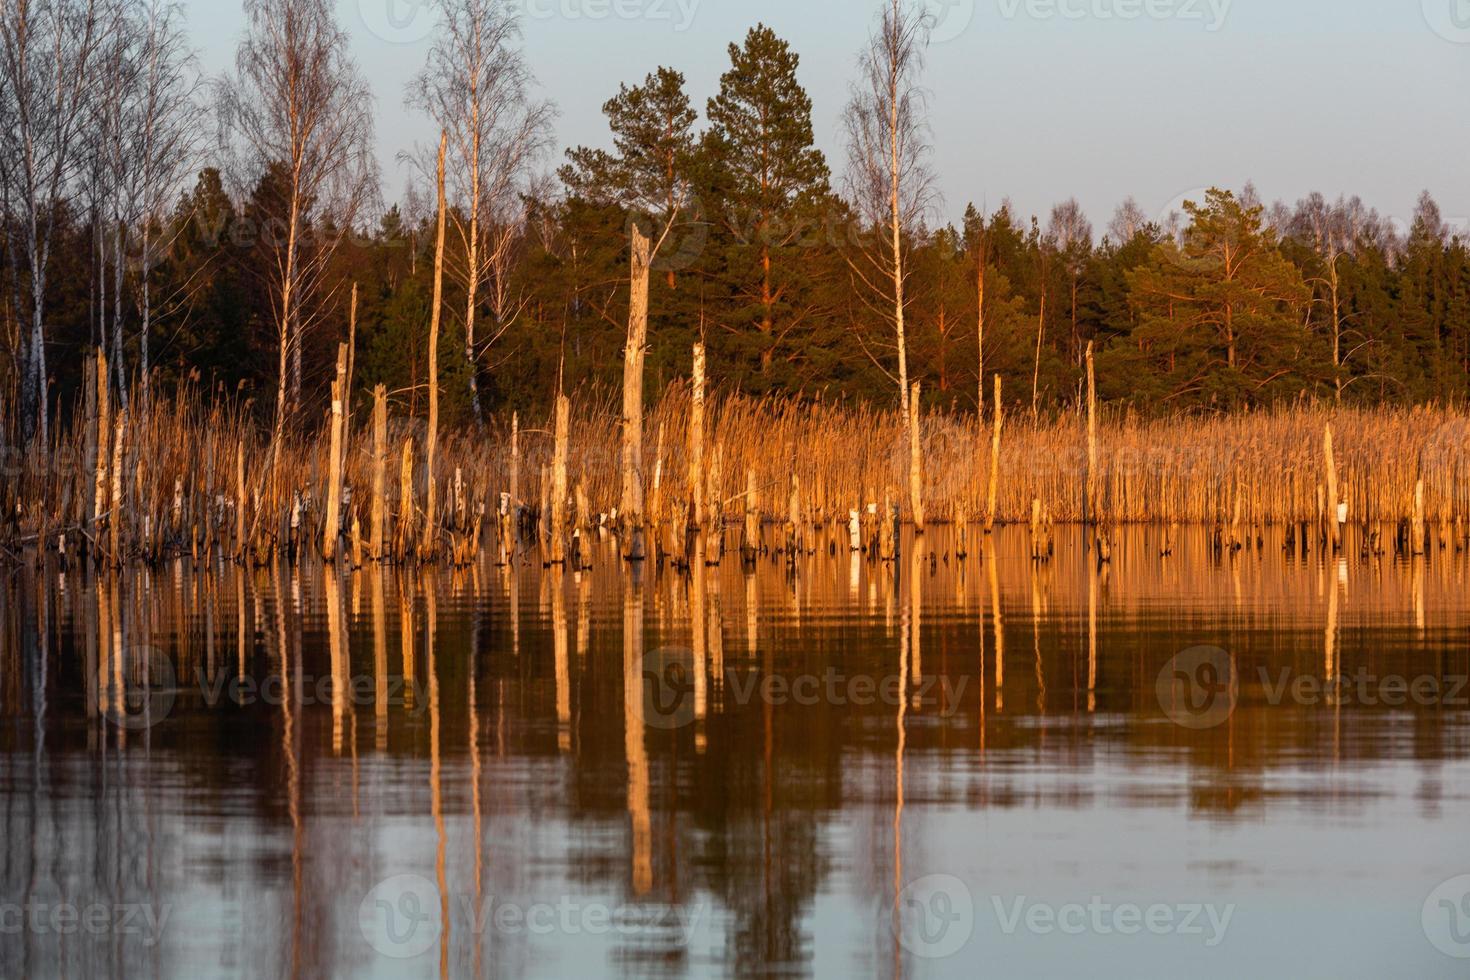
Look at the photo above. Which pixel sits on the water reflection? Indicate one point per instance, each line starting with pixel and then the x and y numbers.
pixel 591 772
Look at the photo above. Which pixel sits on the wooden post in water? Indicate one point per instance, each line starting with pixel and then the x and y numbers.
pixel 696 444
pixel 994 461
pixel 1334 529
pixel 557 555
pixel 794 536
pixel 333 527
pixel 380 471
pixel 632 455
pixel 115 519
pixel 406 510
pixel 543 517
pixel 751 545
pixel 430 548
pixel 916 460
pixel 887 528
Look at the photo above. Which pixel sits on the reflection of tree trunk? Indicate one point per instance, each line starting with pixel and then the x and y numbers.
pixel 431 616
pixel 1092 586
pixel 633 738
pixel 337 643
pixel 475 773
pixel 697 644
pixel 290 668
pixel 561 648
pixel 1000 640
pixel 916 601
pixel 380 660
pixel 901 731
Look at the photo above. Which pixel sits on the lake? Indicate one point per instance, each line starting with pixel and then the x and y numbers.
pixel 1207 764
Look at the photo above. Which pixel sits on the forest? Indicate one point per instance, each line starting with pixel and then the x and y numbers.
pixel 214 230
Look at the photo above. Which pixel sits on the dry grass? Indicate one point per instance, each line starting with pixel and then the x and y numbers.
pixel 180 496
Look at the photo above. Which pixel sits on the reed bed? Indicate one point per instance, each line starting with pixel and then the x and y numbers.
pixel 176 488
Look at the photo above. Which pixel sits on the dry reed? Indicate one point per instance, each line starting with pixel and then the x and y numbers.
pixel 176 489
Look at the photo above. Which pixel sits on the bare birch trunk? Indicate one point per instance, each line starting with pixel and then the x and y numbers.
pixel 380 471
pixel 431 530
pixel 557 531
pixel 994 489
pixel 895 204
pixel 916 460
pixel 333 526
pixel 1089 509
pixel 632 497
pixel 696 441
pixel 1334 529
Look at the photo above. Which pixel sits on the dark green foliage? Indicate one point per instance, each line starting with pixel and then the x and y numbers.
pixel 1243 307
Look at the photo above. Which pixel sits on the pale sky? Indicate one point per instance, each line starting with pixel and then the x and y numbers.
pixel 1035 100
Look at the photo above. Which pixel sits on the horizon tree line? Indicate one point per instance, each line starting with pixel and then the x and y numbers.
pixel 801 283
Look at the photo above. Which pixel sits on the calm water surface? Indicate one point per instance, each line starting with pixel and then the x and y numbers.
pixel 846 769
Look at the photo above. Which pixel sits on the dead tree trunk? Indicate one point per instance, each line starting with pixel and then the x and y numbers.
pixel 431 525
pixel 632 498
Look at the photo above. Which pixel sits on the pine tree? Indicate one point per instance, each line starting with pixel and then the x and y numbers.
pixel 774 182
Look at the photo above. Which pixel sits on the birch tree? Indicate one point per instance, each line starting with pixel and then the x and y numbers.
pixel 297 101
pixel 476 86
pixel 168 118
pixel 47 51
pixel 1071 233
pixel 888 176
